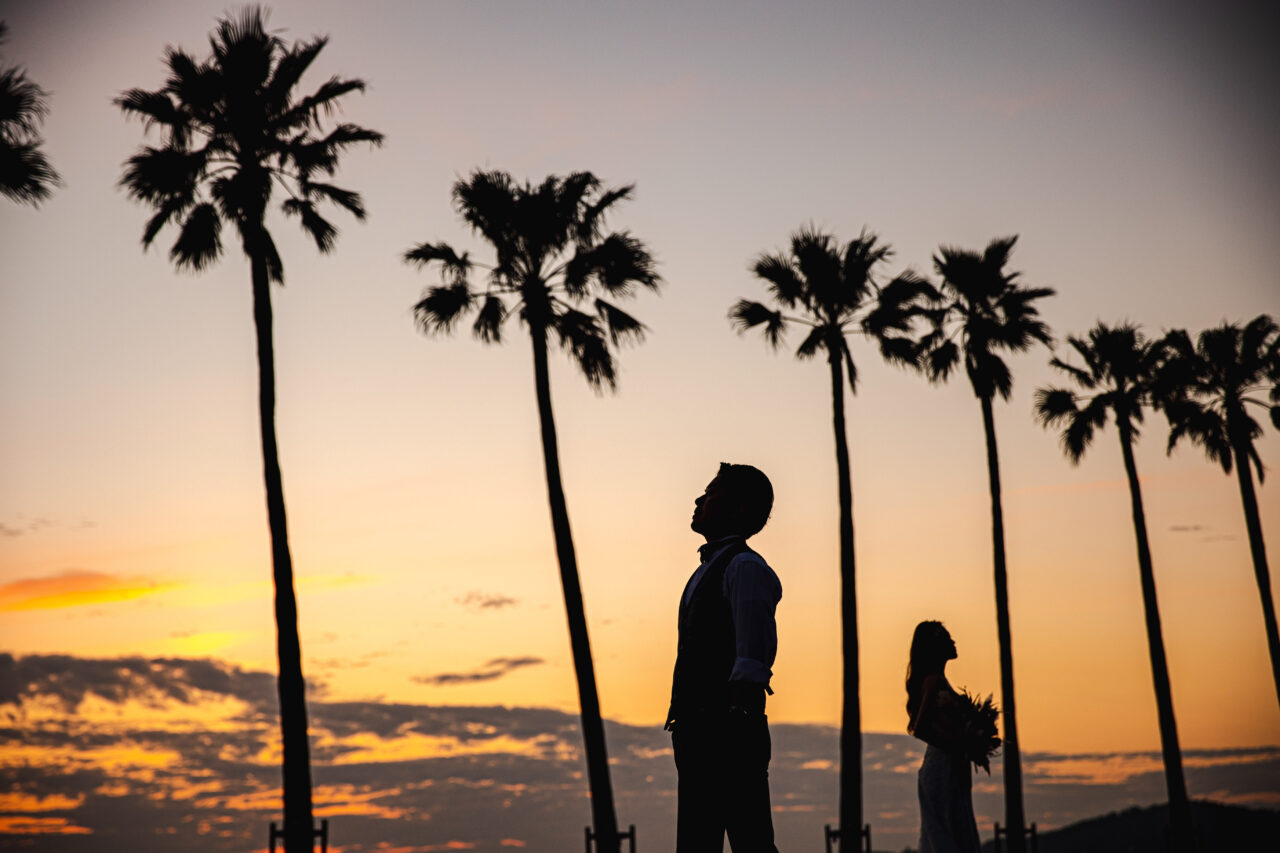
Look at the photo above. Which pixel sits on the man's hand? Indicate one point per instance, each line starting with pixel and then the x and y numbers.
pixel 746 698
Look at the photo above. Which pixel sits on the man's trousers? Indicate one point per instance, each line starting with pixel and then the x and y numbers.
pixel 723 764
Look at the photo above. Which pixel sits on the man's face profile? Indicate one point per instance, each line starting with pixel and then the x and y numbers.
pixel 715 511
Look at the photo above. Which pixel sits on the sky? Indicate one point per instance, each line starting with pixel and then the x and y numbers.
pixel 1130 146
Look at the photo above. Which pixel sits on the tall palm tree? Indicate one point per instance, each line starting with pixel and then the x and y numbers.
pixel 1116 380
pixel 831 290
pixel 978 311
pixel 25 173
pixel 232 129
pixel 552 257
pixel 1205 389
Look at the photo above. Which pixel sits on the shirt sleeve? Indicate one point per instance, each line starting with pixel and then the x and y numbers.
pixel 753 591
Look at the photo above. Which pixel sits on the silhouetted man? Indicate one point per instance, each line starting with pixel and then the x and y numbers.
pixel 728 640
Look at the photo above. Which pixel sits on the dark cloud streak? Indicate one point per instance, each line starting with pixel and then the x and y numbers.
pixel 496 668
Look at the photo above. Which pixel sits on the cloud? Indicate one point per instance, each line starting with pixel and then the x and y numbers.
pixel 23 526
pixel 412 777
pixel 73 588
pixel 495 668
pixel 486 601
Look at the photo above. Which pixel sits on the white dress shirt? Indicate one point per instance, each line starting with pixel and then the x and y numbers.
pixel 753 592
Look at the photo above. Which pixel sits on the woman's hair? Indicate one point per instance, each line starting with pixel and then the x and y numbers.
pixel 928 655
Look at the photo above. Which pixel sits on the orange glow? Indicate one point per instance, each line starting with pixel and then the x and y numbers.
pixel 258 801
pixel 74 588
pixel 512 842
pixel 19 802
pixel 333 800
pixel 426 848
pixel 23 825
pixel 372 748
pixel 125 760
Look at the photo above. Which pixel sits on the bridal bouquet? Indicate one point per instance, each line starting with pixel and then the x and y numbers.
pixel 981 738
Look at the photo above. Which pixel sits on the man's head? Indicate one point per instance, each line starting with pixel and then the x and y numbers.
pixel 738 501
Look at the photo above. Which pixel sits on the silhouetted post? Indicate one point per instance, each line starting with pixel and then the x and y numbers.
pixel 630 835
pixel 322 833
pixel 833 838
pixel 1002 832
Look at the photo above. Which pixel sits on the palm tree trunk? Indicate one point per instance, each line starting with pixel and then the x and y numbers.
pixel 602 811
pixel 1015 821
pixel 851 711
pixel 1258 549
pixel 298 824
pixel 1182 830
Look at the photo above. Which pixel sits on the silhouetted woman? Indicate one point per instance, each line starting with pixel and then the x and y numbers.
pixel 938 717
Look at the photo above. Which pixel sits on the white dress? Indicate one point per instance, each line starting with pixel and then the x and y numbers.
pixel 945 784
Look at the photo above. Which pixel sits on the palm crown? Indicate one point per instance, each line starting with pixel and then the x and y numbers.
pixel 1119 364
pixel 232 130
pixel 832 291
pixel 978 310
pixel 25 173
pixel 553 259
pixel 1206 388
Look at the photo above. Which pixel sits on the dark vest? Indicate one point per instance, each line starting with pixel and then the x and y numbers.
pixel 706 649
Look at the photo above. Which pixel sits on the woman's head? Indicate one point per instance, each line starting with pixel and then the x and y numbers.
pixel 931 648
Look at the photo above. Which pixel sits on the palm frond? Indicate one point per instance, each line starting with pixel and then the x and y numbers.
pixel 443 306
pixel 898 304
pixel 275 266
pixel 783 279
pixel 850 369
pixel 899 350
pixel 580 334
pixel 155 175
pixel 617 264
pixel 289 69
pixel 813 342
pixel 747 315
pixel 988 373
pixel 621 325
pixel 487 202
pixel 199 243
pixel 940 360
pixel 454 267
pixel 1054 404
pixel 320 229
pixel 593 215
pixel 347 199
pixel 152 107
pixel 323 154
pixel 26 175
pixel 169 208
pixel 488 324
pixel 1083 377
pixel 1202 427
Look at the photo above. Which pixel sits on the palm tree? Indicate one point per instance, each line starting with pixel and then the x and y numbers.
pixel 1120 365
pixel 979 310
pixel 25 173
pixel 831 290
pixel 1205 390
pixel 552 258
pixel 232 129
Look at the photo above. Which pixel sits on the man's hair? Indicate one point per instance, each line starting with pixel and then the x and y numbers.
pixel 753 492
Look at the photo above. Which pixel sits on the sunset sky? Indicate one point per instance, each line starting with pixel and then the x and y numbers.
pixel 1131 146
